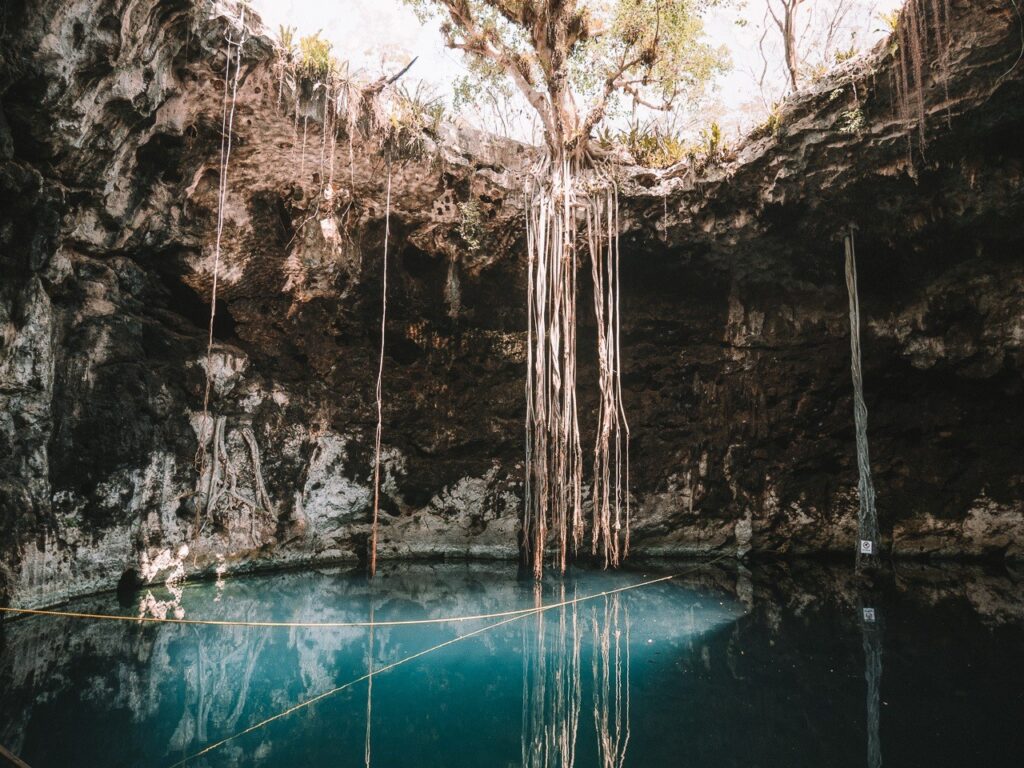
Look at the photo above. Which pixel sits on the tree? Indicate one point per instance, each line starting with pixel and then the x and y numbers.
pixel 810 34
pixel 573 61
pixel 784 16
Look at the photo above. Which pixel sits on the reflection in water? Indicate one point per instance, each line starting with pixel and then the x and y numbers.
pixel 871 629
pixel 611 656
pixel 369 689
pixel 677 668
pixel 551 686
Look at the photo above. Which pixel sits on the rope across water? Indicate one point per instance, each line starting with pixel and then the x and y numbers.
pixel 509 617
pixel 335 624
pixel 505 617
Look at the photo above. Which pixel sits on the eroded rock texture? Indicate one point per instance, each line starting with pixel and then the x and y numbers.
pixel 735 330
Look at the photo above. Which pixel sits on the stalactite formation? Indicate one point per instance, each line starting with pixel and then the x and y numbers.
pixel 867 520
pixel 871 632
pixel 554 456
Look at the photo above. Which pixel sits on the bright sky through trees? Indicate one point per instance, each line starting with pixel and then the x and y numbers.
pixel 379 35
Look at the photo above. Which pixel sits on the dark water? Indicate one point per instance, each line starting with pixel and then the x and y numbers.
pixel 723 667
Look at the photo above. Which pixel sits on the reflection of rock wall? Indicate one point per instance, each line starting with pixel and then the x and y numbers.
pixel 735 336
pixel 701 651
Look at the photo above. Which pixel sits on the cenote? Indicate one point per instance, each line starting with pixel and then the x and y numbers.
pixel 777 665
pixel 493 383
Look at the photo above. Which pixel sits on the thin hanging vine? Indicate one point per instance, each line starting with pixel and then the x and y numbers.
pixel 572 60
pixel 380 382
pixel 867 518
pixel 227 128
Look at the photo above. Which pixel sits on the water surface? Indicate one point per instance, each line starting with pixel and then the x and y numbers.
pixel 779 666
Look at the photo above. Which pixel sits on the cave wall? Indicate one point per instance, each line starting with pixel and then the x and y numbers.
pixel 736 346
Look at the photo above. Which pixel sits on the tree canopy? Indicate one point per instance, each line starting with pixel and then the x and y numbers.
pixel 575 61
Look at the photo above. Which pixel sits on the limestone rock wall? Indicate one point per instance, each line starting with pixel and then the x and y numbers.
pixel 735 334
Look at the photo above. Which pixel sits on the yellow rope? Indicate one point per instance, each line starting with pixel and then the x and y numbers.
pixel 349 684
pixel 328 624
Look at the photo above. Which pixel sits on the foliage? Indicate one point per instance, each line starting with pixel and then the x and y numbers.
pixel 315 59
pixel 649 144
pixel 772 125
pixel 851 120
pixel 286 42
pixel 842 56
pixel 419 108
pixel 816 73
pixel 576 61
pixel 891 20
pixel 412 115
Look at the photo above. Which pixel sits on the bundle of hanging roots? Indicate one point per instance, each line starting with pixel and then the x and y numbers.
pixel 573 207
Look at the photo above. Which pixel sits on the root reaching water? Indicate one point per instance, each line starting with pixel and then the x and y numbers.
pixel 554 457
pixel 610 667
pixel 609 493
pixel 867 520
pixel 380 380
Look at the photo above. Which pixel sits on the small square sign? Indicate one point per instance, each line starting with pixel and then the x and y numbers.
pixel 866 547
pixel 869 614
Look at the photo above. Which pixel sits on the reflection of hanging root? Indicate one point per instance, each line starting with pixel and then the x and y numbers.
pixel 551 691
pixel 369 692
pixel 611 708
pixel 872 640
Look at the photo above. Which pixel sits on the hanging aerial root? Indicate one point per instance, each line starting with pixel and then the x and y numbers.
pixel 867 518
pixel 380 380
pixel 227 129
pixel 554 458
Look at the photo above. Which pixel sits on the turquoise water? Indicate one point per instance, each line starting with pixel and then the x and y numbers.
pixel 779 666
